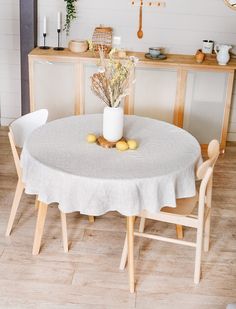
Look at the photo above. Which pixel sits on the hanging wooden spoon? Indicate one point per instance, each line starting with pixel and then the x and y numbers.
pixel 140 31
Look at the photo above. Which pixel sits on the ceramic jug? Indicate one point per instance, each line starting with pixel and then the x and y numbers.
pixel 222 52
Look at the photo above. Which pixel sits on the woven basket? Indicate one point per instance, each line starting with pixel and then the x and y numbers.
pixel 102 37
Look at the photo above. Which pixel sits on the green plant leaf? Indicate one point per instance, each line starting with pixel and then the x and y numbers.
pixel 71 14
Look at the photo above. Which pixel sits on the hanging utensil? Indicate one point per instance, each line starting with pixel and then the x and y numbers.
pixel 140 31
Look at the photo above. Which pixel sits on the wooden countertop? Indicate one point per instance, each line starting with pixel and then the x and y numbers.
pixel 172 60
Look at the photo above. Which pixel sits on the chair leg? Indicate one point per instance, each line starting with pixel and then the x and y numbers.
pixel 42 212
pixel 124 254
pixel 64 231
pixel 36 205
pixel 15 204
pixel 197 271
pixel 207 232
pixel 142 225
pixel 91 219
pixel 130 237
pixel 179 231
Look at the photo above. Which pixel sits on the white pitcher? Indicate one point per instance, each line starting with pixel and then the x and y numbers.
pixel 222 52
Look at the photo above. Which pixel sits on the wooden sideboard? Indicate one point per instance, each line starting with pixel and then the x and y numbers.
pixel 179 68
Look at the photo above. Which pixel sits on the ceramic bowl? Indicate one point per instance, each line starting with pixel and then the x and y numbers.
pixel 78 46
pixel 154 51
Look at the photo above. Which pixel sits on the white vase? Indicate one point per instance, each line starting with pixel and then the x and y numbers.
pixel 113 123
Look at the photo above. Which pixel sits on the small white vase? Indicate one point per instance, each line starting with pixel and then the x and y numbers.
pixel 113 123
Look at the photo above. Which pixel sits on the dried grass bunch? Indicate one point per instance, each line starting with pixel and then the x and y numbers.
pixel 113 80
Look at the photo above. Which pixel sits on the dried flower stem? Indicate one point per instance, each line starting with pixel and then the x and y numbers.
pixel 112 83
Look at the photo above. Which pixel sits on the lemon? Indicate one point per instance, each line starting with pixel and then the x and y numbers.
pixel 91 138
pixel 132 144
pixel 122 146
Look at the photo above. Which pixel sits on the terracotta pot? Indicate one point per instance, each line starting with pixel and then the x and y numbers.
pixel 200 56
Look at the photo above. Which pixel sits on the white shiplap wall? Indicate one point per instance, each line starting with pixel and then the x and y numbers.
pixel 10 102
pixel 180 27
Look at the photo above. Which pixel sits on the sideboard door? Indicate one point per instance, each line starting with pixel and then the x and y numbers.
pixel 54 87
pixel 154 93
pixel 205 104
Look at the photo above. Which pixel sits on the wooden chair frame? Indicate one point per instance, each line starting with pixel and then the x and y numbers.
pixel 201 221
pixel 41 207
pixel 19 191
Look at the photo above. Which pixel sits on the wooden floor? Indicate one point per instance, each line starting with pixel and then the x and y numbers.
pixel 88 276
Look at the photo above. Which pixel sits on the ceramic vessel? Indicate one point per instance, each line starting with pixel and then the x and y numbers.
pixel 222 52
pixel 113 123
pixel 154 51
pixel 77 46
pixel 207 46
pixel 200 56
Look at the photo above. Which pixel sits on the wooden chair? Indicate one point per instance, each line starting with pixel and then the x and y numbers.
pixel 211 152
pixel 19 130
pixel 182 215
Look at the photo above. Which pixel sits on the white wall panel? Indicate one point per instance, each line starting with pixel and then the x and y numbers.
pixel 10 103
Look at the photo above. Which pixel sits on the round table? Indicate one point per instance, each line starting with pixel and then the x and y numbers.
pixel 60 166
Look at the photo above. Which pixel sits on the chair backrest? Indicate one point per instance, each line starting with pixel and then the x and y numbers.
pixel 213 152
pixel 21 128
pixel 205 172
pixel 205 192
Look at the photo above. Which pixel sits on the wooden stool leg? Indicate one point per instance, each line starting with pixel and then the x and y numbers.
pixel 124 254
pixel 179 231
pixel 207 231
pixel 142 225
pixel 36 205
pixel 91 219
pixel 64 231
pixel 15 204
pixel 197 270
pixel 130 236
pixel 39 227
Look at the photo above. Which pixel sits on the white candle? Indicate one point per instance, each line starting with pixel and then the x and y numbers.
pixel 59 20
pixel 45 25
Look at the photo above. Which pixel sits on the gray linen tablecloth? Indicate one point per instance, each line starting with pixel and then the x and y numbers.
pixel 60 166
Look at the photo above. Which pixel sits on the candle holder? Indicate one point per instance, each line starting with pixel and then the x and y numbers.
pixel 58 41
pixel 44 42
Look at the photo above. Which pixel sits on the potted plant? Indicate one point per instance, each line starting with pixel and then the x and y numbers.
pixel 71 14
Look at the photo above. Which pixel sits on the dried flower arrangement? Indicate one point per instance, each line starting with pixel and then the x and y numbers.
pixel 71 14
pixel 113 80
